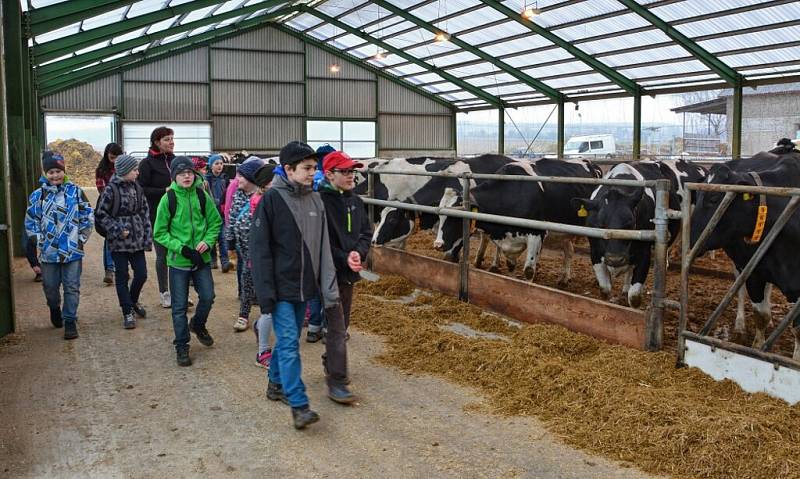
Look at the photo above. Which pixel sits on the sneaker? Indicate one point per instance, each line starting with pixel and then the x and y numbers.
pixel 240 324
pixel 341 394
pixel 128 321
pixel 262 359
pixel 202 334
pixel 166 300
pixel 275 393
pixel 214 265
pixel 55 317
pixel 139 310
pixel 109 277
pixel 314 336
pixel 303 416
pixel 70 330
pixel 183 357
pixel 227 267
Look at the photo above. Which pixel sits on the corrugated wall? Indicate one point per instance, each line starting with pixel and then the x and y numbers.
pixel 258 88
pixel 102 94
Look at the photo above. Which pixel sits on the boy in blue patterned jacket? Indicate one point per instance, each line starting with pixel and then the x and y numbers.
pixel 61 219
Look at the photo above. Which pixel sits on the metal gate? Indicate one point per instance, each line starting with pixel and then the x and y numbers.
pixel 756 370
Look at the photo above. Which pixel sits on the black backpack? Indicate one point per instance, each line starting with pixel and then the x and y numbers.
pixel 115 204
pixel 172 203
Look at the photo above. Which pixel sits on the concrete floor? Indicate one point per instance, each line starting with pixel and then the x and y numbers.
pixel 114 404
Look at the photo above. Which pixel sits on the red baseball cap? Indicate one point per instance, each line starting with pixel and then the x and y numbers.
pixel 339 160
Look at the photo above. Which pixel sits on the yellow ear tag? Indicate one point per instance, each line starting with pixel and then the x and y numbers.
pixel 582 213
pixel 747 196
pixel 474 209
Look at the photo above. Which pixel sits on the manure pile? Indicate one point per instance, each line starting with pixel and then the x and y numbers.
pixel 624 404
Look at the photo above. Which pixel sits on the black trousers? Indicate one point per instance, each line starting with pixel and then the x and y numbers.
pixel 334 361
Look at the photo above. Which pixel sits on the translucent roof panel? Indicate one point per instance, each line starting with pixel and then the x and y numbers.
pixel 145 6
pixel 529 42
pixel 556 12
pixel 105 19
pixel 459 57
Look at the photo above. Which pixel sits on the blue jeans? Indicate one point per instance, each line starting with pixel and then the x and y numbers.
pixel 30 249
pixel 129 295
pixel 285 367
pixel 179 290
pixel 223 248
pixel 108 260
pixel 317 319
pixel 56 276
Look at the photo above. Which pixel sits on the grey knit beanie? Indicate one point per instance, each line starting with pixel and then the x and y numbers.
pixel 125 164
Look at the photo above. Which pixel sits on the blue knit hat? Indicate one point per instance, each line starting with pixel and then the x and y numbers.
pixel 213 159
pixel 249 168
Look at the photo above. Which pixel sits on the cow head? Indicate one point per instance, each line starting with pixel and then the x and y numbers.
pixel 613 208
pixel 448 234
pixel 737 222
pixel 394 228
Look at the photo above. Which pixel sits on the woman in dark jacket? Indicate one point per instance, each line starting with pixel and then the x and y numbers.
pixel 102 175
pixel 154 177
pixel 123 213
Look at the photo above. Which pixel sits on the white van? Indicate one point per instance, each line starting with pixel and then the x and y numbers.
pixel 590 145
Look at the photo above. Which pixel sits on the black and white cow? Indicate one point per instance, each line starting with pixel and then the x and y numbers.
pixel 522 199
pixel 628 208
pixel 735 230
pixel 396 224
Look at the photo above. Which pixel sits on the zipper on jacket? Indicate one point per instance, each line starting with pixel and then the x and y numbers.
pixel 302 268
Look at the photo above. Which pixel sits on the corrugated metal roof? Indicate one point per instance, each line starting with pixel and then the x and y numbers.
pixel 760 39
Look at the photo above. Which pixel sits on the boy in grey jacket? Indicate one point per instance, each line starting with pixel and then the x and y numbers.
pixel 291 264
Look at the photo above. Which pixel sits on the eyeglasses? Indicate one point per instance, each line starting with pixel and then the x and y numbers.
pixel 344 172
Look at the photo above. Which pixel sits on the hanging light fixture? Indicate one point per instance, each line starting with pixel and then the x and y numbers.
pixel 529 12
pixel 334 68
pixel 380 55
pixel 441 37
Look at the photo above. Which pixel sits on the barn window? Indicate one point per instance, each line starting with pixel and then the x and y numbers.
pixel 190 138
pixel 356 138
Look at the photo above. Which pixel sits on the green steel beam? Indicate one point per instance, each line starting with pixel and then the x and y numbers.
pixel 480 93
pixel 68 64
pixel 63 46
pixel 46 19
pixel 637 126
pixel 363 64
pixel 65 81
pixel 624 82
pixel 736 133
pixel 543 88
pixel 7 313
pixel 719 67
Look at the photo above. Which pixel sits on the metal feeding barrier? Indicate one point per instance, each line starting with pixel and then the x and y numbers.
pixel 754 369
pixel 659 235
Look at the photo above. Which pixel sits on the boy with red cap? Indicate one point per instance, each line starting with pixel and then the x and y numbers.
pixel 350 233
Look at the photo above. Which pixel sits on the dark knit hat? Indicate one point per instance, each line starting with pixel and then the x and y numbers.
pixel 265 174
pixel 296 151
pixel 125 164
pixel 248 169
pixel 52 160
pixel 323 151
pixel 179 164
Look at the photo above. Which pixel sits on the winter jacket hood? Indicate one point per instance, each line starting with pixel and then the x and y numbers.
pixel 188 227
pixel 132 216
pixel 61 219
pixel 349 229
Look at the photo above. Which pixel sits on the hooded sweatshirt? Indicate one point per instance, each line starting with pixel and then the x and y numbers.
pixel 188 227
pixel 154 176
pixel 290 253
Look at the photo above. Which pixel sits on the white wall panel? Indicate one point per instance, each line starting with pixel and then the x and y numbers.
pixel 341 99
pixel 102 94
pixel 255 133
pixel 249 65
pixel 394 98
pixel 256 98
pixel 164 101
pixel 263 39
pixel 191 66
pixel 401 132
pixel 319 61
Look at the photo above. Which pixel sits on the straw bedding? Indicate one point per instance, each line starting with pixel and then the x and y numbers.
pixel 627 405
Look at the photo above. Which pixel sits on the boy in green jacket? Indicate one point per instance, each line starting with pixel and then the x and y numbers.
pixel 187 225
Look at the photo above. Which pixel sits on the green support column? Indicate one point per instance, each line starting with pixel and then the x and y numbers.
pixel 561 128
pixel 15 114
pixel 637 126
pixel 28 100
pixel 7 314
pixel 736 131
pixel 501 131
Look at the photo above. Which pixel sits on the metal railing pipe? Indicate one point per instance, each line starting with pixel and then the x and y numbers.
pixel 607 234
pixel 465 233
pixel 710 227
pixel 790 317
pixel 783 191
pixel 686 263
pixel 654 329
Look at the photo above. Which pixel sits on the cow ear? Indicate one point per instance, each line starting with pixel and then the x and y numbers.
pixel 583 206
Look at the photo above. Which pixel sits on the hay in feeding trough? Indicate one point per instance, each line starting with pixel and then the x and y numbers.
pixel 625 404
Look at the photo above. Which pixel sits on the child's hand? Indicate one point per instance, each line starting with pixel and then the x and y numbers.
pixel 354 261
pixel 201 247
